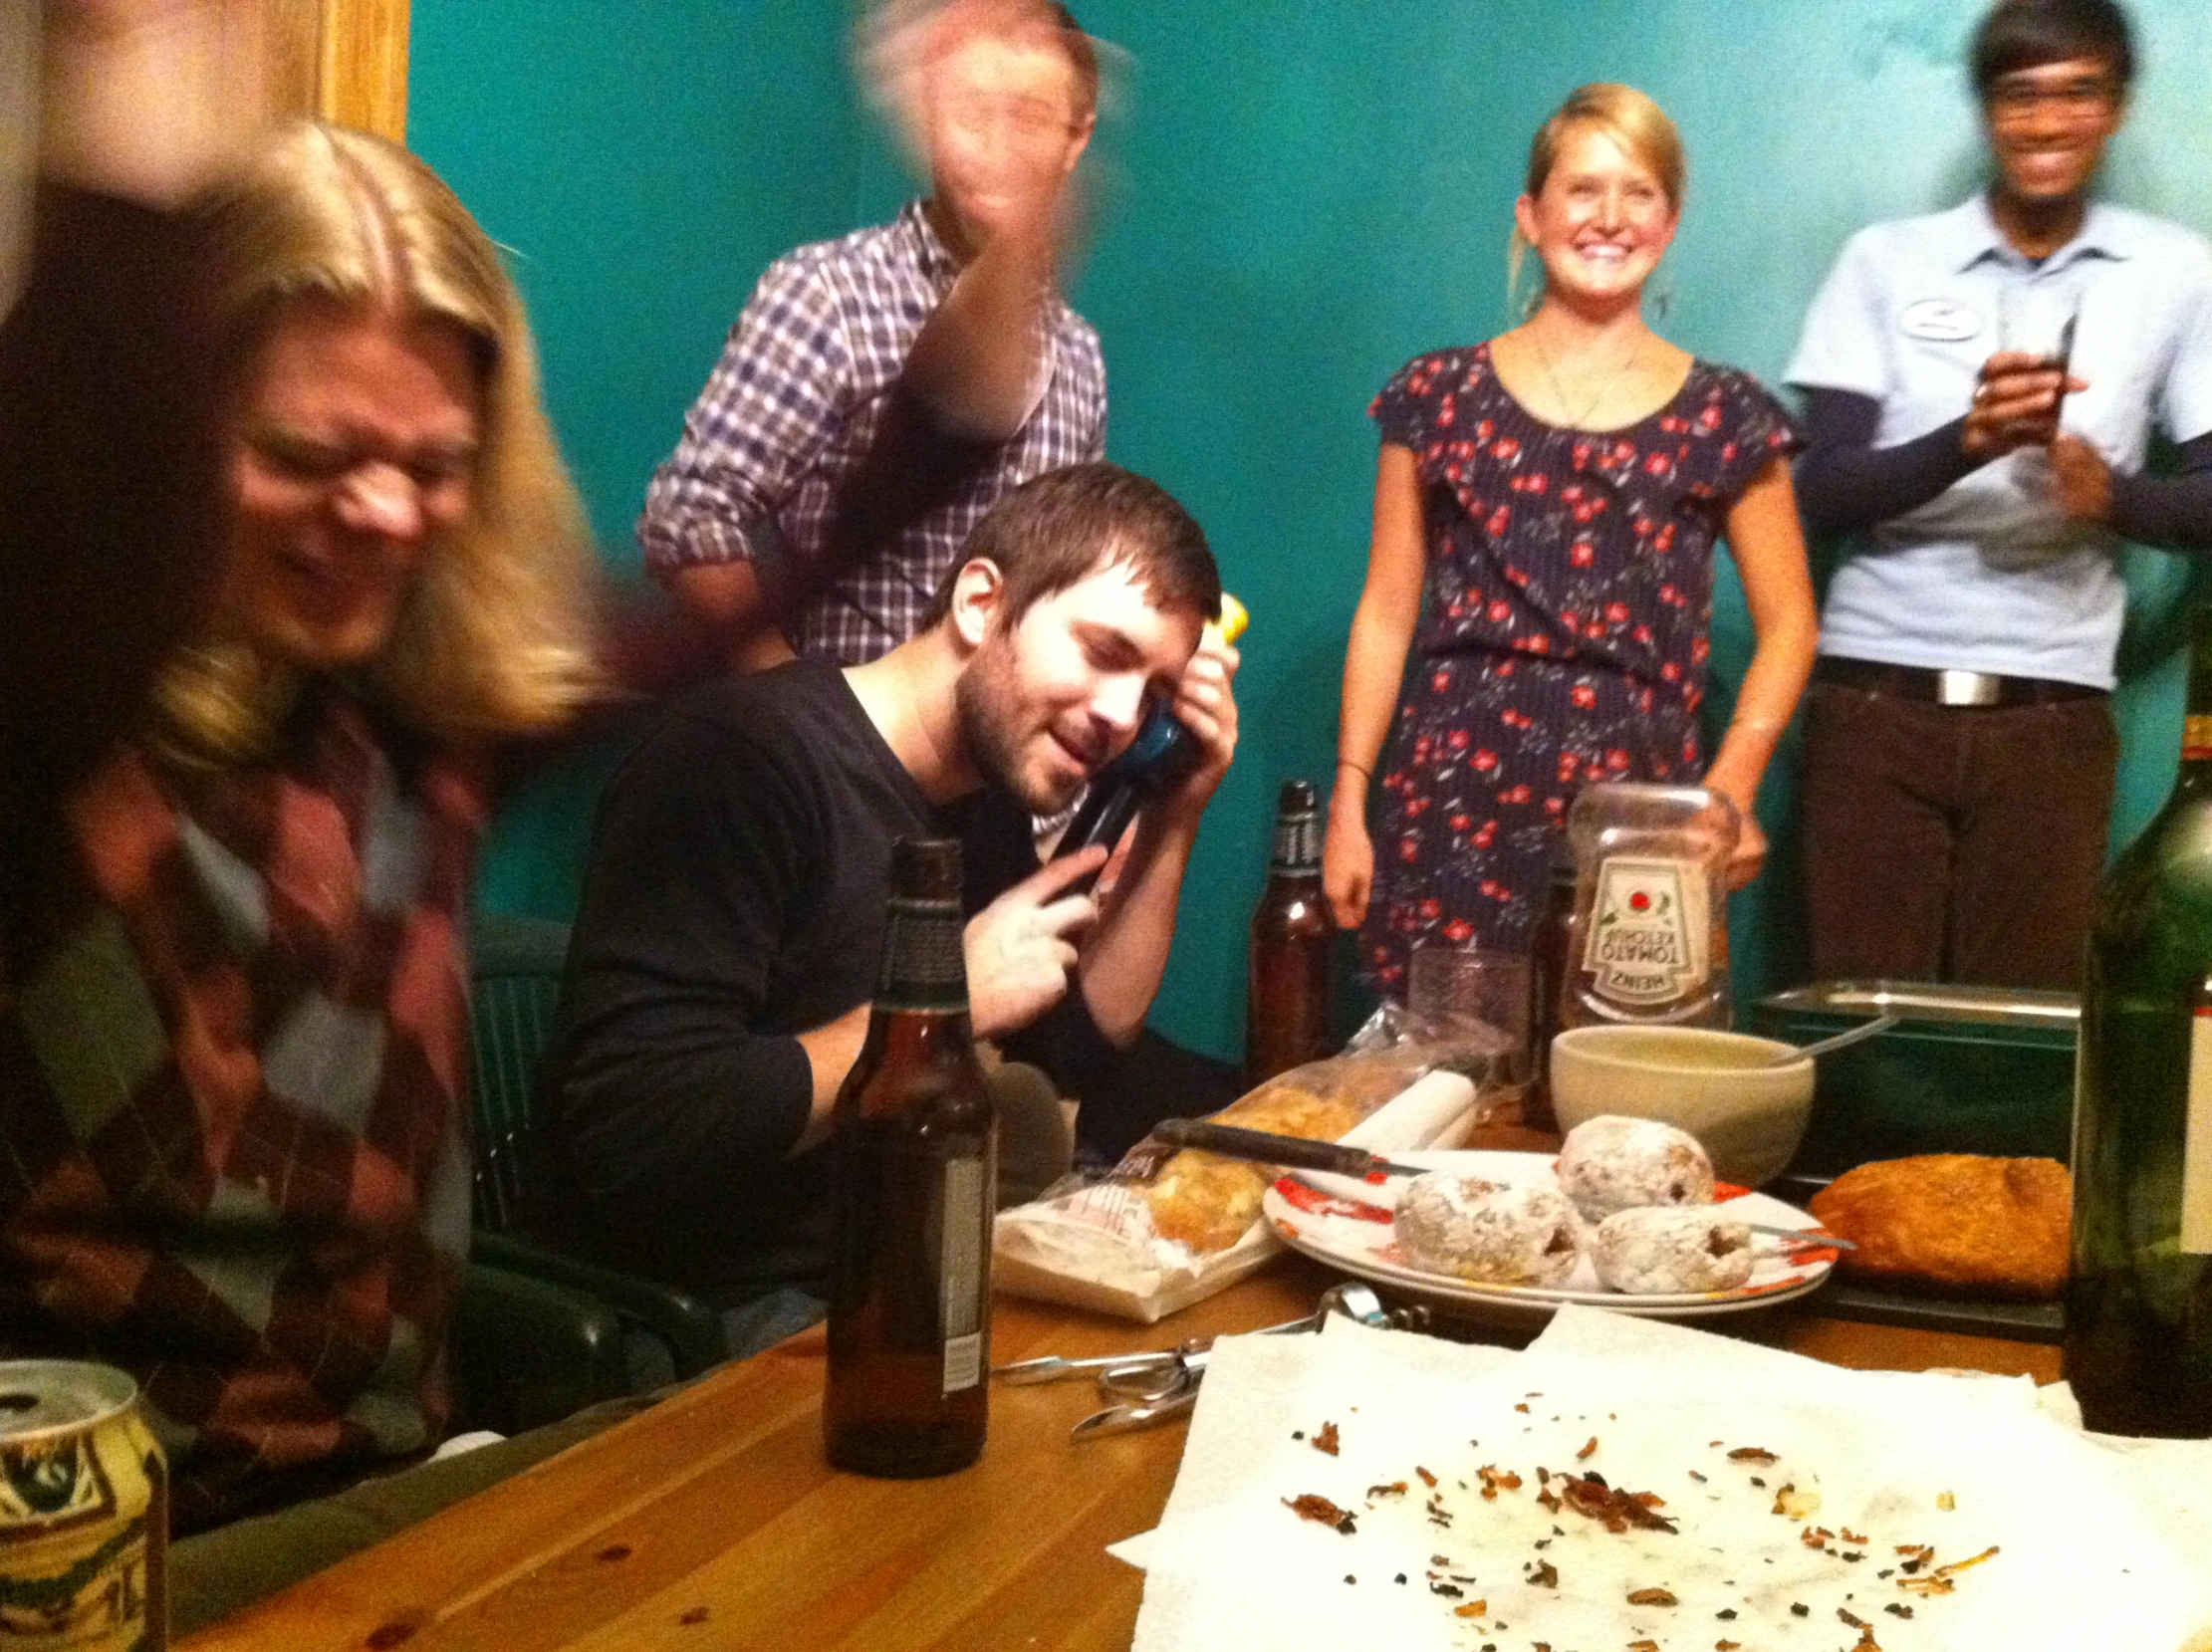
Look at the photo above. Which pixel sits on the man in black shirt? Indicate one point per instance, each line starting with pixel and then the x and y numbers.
pixel 732 917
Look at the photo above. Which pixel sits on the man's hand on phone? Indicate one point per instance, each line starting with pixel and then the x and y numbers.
pixel 1206 705
pixel 1021 949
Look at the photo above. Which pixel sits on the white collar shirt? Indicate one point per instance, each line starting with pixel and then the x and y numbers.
pixel 1989 575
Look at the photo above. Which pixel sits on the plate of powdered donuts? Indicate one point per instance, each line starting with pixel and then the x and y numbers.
pixel 1625 1216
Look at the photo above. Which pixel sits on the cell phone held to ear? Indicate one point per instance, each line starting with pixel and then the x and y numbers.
pixel 1158 760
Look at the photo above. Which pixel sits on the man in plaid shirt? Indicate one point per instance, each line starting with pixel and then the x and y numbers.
pixel 881 392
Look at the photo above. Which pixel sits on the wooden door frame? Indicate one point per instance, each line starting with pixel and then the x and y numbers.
pixel 341 60
pixel 362 77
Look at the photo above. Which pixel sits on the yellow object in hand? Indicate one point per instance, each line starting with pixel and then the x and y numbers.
pixel 1233 619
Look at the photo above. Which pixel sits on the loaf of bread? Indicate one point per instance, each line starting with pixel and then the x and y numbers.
pixel 1207 1200
pixel 1955 1222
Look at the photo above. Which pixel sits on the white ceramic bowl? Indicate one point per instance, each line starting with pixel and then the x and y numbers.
pixel 1748 1115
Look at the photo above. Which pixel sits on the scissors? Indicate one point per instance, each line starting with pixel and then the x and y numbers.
pixel 1153 1388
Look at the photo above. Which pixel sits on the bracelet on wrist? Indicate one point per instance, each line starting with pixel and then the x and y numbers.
pixel 1360 769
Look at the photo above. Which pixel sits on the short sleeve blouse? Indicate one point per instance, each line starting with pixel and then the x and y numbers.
pixel 1573 544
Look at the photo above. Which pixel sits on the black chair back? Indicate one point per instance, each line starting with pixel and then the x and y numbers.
pixel 516 965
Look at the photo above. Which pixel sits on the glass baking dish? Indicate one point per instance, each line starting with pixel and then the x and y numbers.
pixel 1968 1069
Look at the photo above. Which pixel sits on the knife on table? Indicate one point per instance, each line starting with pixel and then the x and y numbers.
pixel 1264 1147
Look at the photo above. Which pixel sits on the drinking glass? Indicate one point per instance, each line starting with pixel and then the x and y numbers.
pixel 1475 995
pixel 2038 317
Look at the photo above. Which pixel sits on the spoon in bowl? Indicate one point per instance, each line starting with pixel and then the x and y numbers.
pixel 1842 1041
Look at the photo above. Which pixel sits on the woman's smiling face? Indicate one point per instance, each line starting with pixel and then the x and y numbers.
pixel 354 450
pixel 1601 221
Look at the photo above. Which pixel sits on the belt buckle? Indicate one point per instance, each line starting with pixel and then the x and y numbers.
pixel 1967 688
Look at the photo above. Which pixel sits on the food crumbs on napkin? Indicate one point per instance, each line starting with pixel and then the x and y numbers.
pixel 2050 1543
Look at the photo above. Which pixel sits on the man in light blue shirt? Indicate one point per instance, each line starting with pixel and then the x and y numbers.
pixel 1982 385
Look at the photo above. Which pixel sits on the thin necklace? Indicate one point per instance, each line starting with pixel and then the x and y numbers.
pixel 1581 421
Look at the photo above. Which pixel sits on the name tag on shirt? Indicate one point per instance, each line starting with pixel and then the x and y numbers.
pixel 1939 321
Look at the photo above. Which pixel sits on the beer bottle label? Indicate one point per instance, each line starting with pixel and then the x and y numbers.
pixel 1648 932
pixel 2196 1140
pixel 1297 841
pixel 960 1274
pixel 925 957
pixel 2196 738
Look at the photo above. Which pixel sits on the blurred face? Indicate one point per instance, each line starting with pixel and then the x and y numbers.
pixel 2048 125
pixel 354 446
pixel 1602 220
pixel 1047 702
pixel 1003 127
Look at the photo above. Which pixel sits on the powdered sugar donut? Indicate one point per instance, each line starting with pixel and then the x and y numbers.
pixel 1661 1249
pixel 1487 1233
pixel 1611 1163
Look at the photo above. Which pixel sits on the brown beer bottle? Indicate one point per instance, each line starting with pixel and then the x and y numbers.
pixel 912 1176
pixel 1550 952
pixel 1286 1022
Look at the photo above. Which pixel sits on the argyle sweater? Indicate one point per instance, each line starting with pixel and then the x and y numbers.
pixel 232 1107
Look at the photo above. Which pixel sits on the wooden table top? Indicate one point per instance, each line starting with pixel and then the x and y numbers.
pixel 712 1520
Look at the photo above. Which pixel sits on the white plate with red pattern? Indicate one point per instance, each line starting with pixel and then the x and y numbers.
pixel 1325 1218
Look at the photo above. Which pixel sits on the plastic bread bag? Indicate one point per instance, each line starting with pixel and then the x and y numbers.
pixel 1166 1229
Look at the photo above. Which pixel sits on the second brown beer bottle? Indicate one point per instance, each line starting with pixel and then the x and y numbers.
pixel 1287 998
pixel 914 1173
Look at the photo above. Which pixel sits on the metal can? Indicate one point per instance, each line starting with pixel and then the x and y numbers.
pixel 84 1513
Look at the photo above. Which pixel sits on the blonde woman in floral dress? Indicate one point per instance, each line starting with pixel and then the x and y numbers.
pixel 1540 577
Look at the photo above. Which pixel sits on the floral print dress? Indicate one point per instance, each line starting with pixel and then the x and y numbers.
pixel 1562 639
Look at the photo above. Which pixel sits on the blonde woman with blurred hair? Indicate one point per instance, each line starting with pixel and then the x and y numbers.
pixel 1539 576
pixel 233 1019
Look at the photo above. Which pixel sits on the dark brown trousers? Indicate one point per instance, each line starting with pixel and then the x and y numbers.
pixel 1953 843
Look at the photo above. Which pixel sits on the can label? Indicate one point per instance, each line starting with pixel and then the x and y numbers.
pixel 83 1520
pixel 2196 1140
pixel 1649 931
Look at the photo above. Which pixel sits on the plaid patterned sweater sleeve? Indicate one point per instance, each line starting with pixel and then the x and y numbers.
pixel 772 405
pixel 232 1154
pixel 800 389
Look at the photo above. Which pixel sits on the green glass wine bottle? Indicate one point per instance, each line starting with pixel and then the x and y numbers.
pixel 2138 1331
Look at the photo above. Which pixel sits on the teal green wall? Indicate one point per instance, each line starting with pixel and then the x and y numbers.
pixel 641 161
pixel 1291 198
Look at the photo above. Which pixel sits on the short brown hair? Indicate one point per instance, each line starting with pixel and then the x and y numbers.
pixel 1066 524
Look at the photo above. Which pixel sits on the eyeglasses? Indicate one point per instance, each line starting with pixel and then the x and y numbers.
pixel 1029 120
pixel 2075 100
